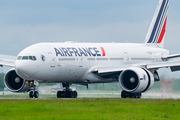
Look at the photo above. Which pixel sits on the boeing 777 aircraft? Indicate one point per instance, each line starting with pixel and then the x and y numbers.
pixel 133 66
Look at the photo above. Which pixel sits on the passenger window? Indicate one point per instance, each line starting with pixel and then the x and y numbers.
pixel 25 58
pixel 19 58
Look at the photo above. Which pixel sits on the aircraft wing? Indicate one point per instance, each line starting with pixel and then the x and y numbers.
pixel 108 72
pixel 174 65
pixel 6 60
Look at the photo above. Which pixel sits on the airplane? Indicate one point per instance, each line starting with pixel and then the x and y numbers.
pixel 133 65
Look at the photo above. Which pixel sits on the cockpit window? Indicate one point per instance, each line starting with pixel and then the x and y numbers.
pixel 34 58
pixel 30 57
pixel 19 58
pixel 26 58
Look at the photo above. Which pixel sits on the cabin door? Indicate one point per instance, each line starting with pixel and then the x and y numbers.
pixel 52 60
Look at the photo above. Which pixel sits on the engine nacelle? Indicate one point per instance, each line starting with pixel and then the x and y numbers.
pixel 136 80
pixel 15 83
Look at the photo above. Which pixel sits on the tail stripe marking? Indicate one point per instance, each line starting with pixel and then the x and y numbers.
pixel 160 26
pixel 162 32
pixel 157 21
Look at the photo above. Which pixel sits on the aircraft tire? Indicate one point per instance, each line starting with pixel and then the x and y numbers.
pixel 59 94
pixel 125 94
pixel 75 94
pixel 68 94
pixel 36 94
pixel 139 95
pixel 72 94
pixel 31 94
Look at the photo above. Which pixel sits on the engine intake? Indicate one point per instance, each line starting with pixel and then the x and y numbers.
pixel 15 83
pixel 136 80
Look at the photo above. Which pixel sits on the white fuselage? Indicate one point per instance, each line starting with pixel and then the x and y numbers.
pixel 71 62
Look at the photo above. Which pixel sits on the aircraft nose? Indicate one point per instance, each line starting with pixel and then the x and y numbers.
pixel 21 69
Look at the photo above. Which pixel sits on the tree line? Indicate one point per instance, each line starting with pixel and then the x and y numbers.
pixel 2 81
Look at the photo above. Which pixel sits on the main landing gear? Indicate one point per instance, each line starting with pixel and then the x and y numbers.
pixel 67 92
pixel 125 94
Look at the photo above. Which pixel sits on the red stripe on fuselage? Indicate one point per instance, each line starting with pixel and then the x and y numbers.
pixel 103 51
pixel 162 32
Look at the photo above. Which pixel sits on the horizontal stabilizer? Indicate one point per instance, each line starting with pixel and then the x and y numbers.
pixel 170 56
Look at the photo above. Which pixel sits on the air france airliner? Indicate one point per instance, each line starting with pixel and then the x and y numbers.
pixel 133 66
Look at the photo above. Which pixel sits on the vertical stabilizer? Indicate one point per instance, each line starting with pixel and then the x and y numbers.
pixel 156 32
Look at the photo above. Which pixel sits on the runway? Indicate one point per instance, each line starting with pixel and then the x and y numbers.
pixel 115 95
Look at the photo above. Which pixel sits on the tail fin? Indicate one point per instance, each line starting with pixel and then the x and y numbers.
pixel 155 35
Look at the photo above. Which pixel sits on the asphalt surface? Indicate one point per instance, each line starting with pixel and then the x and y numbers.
pixel 148 95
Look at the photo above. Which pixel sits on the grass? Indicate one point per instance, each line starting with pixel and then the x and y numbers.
pixel 90 109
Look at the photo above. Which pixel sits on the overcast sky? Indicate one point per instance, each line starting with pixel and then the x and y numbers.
pixel 26 22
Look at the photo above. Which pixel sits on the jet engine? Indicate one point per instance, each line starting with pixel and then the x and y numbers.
pixel 15 83
pixel 136 80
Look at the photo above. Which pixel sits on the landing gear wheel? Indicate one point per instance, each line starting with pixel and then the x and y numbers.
pixel 139 95
pixel 125 94
pixel 59 94
pixel 63 94
pixel 36 94
pixel 31 94
pixel 75 94
pixel 67 92
pixel 72 94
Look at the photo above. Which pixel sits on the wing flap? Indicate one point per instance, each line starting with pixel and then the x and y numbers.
pixel 175 68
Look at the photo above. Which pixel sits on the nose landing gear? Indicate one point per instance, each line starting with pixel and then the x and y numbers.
pixel 67 92
pixel 33 93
